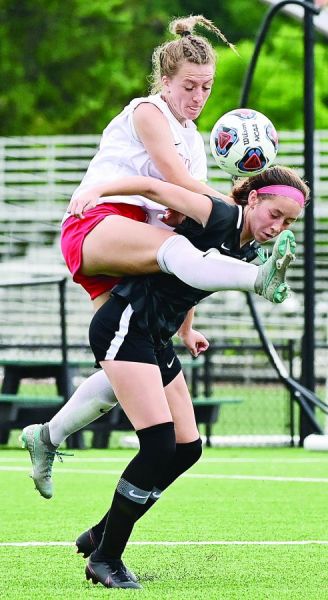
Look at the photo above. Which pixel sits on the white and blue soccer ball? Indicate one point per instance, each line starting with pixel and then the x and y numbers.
pixel 244 142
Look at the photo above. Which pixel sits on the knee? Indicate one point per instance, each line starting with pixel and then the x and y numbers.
pixel 197 451
pixel 188 454
pixel 157 444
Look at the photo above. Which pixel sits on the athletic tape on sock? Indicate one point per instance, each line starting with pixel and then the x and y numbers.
pixel 155 494
pixel 132 492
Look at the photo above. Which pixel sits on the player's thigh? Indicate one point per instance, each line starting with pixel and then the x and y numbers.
pixel 139 390
pixel 181 407
pixel 121 246
pixel 100 300
pixel 125 351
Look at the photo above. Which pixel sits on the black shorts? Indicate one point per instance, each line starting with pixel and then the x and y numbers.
pixel 114 334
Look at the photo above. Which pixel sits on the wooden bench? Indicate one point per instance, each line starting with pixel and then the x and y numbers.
pixel 207 411
pixel 33 347
pixel 207 406
pixel 17 411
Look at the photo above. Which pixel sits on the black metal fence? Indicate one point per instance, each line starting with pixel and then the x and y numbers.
pixel 37 362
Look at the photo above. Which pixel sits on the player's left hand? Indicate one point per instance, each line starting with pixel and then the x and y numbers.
pixel 172 217
pixel 194 341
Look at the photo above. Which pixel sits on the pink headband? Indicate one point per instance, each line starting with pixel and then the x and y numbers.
pixel 284 190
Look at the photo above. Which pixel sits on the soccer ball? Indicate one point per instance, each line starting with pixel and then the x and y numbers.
pixel 244 142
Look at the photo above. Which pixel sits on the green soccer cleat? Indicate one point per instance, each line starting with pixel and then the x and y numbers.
pixel 271 279
pixel 42 452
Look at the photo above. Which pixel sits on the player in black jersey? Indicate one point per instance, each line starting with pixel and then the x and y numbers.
pixel 173 253
pixel 130 336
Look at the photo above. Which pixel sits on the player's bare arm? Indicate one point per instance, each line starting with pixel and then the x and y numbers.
pixel 191 204
pixel 154 132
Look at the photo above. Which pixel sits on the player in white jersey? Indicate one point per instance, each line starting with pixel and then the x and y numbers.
pixel 153 136
pixel 122 153
pixel 105 244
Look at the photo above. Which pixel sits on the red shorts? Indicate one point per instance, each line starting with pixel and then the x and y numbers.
pixel 74 231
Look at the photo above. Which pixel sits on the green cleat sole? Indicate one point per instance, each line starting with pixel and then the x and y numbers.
pixel 23 440
pixel 281 293
pixel 271 281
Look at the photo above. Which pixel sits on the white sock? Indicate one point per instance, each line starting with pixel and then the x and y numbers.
pixel 210 271
pixel 90 400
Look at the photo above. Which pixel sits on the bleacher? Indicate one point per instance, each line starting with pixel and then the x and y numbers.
pixel 37 177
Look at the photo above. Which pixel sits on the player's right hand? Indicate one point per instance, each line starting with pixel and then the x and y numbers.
pixel 82 203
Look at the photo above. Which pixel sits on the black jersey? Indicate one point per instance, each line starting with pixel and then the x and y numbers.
pixel 161 301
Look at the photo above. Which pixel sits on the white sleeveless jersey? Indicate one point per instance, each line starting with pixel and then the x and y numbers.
pixel 122 154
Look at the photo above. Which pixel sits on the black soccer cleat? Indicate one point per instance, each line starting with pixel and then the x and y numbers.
pixel 110 573
pixel 87 543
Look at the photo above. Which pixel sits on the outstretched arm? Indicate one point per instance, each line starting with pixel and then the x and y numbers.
pixel 191 204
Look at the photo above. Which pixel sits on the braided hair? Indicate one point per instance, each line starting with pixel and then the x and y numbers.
pixel 189 47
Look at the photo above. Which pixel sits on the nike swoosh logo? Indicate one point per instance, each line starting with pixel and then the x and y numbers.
pixel 103 410
pixel 156 495
pixel 169 365
pixel 224 247
pixel 131 493
pixel 178 144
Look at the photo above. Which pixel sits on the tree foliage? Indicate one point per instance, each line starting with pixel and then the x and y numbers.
pixel 69 67
pixel 278 83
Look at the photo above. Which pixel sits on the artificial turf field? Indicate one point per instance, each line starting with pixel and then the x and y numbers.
pixel 243 524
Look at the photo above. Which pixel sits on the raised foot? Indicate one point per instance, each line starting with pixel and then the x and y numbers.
pixel 286 249
pixel 36 439
pixel 271 279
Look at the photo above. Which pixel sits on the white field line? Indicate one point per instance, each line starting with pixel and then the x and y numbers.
pixel 65 470
pixel 218 460
pixel 186 543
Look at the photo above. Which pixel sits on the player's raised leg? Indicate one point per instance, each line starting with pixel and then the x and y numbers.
pixel 211 271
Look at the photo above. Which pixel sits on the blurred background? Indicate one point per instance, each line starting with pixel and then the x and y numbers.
pixel 66 69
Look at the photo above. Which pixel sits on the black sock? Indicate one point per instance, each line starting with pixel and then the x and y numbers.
pixel 157 448
pixel 185 456
pixel 98 529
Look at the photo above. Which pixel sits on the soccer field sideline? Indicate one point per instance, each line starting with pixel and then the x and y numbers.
pixel 72 471
pixel 180 543
pixel 232 460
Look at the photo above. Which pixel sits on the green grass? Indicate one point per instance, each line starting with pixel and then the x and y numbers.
pixel 221 504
